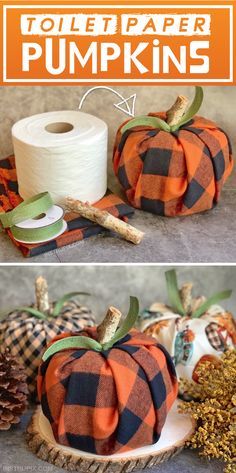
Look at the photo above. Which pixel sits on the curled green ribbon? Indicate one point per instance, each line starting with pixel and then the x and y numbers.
pixel 156 122
pixel 175 300
pixel 88 343
pixel 29 208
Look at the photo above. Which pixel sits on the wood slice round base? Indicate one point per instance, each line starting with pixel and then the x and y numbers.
pixel 177 430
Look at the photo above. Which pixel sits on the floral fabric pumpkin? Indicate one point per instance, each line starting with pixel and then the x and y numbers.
pixel 190 340
pixel 110 399
pixel 172 170
pixel 27 334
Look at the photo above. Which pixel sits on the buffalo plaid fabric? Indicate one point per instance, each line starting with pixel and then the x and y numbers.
pixel 78 227
pixel 27 336
pixel 178 173
pixel 111 401
pixel 212 333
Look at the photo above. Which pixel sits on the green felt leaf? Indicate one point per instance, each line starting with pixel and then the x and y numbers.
pixel 58 306
pixel 127 325
pixel 173 292
pixel 219 296
pixel 144 120
pixel 192 110
pixel 72 342
pixel 32 311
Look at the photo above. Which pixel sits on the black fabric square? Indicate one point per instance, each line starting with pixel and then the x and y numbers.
pixel 196 131
pixel 206 151
pixel 2 190
pixel 155 437
pixel 169 360
pixel 45 408
pixel 122 176
pixel 219 165
pixel 123 340
pixel 123 139
pixel 81 442
pixel 5 164
pixel 128 348
pixel 38 250
pixel 44 366
pixel 153 206
pixel 193 193
pixel 156 161
pixel 128 426
pixel 141 374
pixel 13 186
pixel 82 389
pixel 153 133
pixel 158 390
pixel 78 354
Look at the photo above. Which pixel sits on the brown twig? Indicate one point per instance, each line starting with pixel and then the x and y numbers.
pixel 106 220
pixel 41 292
pixel 106 330
pixel 177 110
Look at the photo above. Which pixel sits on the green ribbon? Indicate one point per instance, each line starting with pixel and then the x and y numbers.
pixel 29 208
pixel 219 296
pixel 57 308
pixel 175 300
pixel 91 344
pixel 173 292
pixel 31 235
pixel 59 305
pixel 145 120
pixel 155 122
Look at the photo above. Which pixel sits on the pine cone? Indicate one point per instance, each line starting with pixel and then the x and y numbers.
pixel 13 390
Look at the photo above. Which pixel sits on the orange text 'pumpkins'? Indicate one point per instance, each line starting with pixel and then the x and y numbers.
pixel 176 169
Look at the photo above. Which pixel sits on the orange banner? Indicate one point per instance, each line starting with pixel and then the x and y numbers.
pixel 163 43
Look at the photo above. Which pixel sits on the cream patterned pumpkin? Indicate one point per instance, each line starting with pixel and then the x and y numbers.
pixel 195 335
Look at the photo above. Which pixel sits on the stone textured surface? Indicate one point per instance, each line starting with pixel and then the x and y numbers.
pixel 207 237
pixel 111 285
pixel 15 457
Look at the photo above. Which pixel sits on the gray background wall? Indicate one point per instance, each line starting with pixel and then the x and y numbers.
pixel 19 102
pixel 111 285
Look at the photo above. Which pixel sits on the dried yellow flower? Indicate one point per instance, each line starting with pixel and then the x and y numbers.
pixel 213 408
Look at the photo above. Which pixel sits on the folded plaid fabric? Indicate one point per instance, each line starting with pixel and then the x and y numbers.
pixel 111 401
pixel 78 227
pixel 177 173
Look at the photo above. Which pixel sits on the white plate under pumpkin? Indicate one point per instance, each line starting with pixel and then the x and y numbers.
pixel 177 430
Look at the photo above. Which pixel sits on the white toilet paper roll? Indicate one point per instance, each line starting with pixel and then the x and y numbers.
pixel 64 153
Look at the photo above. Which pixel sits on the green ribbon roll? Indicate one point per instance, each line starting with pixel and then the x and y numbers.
pixel 30 208
pixel 32 235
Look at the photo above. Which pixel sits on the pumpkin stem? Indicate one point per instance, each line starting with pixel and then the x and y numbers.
pixel 186 296
pixel 107 329
pixel 178 109
pixel 41 293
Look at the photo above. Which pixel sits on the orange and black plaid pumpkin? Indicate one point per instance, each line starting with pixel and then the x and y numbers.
pixel 172 171
pixel 107 401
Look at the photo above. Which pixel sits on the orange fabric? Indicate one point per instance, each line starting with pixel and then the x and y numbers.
pixel 110 401
pixel 173 173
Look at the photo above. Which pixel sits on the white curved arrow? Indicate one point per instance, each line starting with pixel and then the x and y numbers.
pixel 128 108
